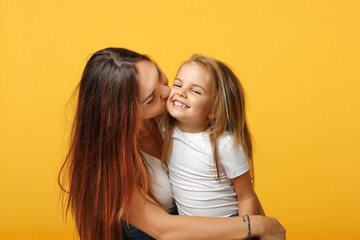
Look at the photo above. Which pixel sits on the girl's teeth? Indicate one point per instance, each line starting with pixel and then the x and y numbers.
pixel 176 103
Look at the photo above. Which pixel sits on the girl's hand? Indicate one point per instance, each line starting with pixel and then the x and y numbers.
pixel 267 228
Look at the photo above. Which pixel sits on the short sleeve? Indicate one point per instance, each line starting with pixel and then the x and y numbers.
pixel 234 160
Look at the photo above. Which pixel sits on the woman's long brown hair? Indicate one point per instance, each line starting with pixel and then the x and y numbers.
pixel 103 166
pixel 221 75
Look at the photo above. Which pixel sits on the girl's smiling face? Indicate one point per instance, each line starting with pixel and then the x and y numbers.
pixel 190 99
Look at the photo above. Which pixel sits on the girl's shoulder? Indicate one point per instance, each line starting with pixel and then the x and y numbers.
pixel 224 140
pixel 226 143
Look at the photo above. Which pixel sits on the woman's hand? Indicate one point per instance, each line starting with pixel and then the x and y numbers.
pixel 267 228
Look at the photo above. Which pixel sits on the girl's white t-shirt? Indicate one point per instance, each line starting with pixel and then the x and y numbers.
pixel 192 173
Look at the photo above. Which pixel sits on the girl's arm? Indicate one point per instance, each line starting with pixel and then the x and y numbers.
pixel 236 167
pixel 247 199
pixel 155 221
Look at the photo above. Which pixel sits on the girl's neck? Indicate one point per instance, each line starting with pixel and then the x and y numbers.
pixel 192 128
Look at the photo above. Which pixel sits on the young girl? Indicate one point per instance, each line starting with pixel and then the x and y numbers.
pixel 208 145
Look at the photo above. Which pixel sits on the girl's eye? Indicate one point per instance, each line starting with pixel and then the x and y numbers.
pixel 177 85
pixel 196 92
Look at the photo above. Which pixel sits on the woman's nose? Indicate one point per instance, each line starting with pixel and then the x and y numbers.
pixel 165 91
pixel 165 80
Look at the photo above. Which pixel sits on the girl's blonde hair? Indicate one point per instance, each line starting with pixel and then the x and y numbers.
pixel 228 111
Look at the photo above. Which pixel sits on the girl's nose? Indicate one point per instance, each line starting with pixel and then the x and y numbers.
pixel 181 93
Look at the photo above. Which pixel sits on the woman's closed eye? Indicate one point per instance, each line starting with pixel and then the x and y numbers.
pixel 151 101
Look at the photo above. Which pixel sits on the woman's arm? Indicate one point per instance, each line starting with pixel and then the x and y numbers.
pixel 155 221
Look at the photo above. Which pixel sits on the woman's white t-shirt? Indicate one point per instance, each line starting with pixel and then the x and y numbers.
pixel 160 182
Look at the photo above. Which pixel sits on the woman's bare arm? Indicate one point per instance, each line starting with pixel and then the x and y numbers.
pixel 155 221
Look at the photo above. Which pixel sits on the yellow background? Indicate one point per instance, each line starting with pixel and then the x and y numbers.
pixel 298 61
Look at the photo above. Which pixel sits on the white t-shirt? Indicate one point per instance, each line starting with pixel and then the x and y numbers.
pixel 192 173
pixel 160 182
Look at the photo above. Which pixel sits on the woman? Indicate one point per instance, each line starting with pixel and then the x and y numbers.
pixel 113 169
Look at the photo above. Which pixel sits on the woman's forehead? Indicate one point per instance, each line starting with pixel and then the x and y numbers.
pixel 148 77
